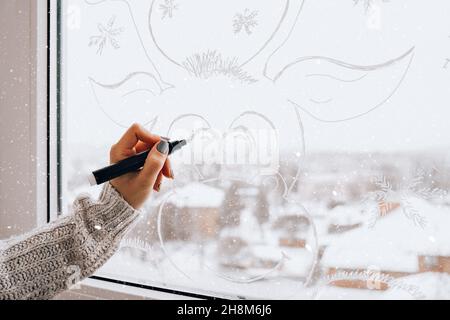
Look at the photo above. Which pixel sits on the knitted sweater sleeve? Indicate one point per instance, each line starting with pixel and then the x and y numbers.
pixel 51 259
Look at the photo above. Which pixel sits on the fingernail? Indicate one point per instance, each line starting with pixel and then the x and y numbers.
pixel 163 147
pixel 171 174
pixel 158 187
pixel 165 138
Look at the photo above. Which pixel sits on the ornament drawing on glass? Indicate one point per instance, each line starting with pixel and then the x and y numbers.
pixel 107 36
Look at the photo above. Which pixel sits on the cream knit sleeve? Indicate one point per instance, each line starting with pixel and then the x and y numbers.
pixel 45 262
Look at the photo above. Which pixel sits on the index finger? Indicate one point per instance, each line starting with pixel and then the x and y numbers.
pixel 135 134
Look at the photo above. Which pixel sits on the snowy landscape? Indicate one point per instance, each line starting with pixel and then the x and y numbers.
pixel 243 241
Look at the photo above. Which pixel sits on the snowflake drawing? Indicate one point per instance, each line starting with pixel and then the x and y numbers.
pixel 168 8
pixel 447 62
pixel 245 21
pixel 388 197
pixel 367 4
pixel 108 34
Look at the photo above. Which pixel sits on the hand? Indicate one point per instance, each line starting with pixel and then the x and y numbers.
pixel 136 187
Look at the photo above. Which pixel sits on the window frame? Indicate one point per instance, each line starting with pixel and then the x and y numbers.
pixel 54 110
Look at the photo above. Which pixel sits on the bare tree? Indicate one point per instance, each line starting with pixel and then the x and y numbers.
pixel 230 213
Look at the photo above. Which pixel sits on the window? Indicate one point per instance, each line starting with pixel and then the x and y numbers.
pixel 318 135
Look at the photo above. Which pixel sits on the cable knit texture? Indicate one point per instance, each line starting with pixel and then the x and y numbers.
pixel 50 260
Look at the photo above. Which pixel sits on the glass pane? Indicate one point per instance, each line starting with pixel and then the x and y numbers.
pixel 318 157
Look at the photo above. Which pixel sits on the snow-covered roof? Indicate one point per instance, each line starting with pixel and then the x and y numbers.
pixel 197 195
pixel 347 215
pixel 394 243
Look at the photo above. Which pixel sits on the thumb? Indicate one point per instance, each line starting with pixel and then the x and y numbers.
pixel 154 163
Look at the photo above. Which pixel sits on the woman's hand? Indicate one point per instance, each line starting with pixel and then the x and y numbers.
pixel 136 187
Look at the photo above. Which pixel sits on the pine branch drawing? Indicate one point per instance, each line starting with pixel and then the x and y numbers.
pixel 108 35
pixel 380 196
pixel 211 63
pixel 386 197
pixel 412 213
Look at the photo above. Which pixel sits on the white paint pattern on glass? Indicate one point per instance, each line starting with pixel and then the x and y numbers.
pixel 389 196
pixel 368 4
pixel 254 85
pixel 167 8
pixel 107 36
pixel 245 21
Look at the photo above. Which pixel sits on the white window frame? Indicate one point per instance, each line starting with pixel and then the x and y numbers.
pixel 50 7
